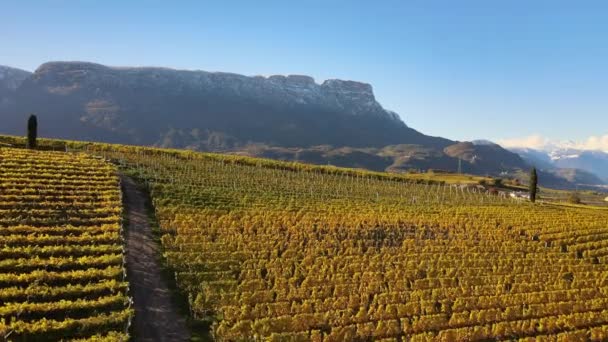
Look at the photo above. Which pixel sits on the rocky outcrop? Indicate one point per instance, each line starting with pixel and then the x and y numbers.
pixel 352 97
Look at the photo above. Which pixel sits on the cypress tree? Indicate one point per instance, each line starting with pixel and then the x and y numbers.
pixel 533 184
pixel 32 131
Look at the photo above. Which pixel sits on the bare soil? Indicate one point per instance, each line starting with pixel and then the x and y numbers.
pixel 157 317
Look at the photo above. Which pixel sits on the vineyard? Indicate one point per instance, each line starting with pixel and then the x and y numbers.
pixel 275 251
pixel 61 249
pixel 290 252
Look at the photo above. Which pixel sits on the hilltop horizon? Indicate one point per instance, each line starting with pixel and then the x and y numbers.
pixel 533 141
pixel 281 117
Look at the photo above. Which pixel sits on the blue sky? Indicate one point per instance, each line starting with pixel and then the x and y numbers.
pixel 458 69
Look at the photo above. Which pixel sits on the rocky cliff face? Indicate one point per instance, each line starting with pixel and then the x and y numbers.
pixel 208 110
pixel 354 98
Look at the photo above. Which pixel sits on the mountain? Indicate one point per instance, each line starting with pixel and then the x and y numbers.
pixel 10 80
pixel 575 165
pixel 482 142
pixel 284 117
pixel 394 158
pixel 488 155
pixel 214 111
pixel 577 176
pixel 595 162
pixel 539 159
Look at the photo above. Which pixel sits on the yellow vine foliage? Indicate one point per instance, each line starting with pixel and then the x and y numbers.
pixel 61 254
pixel 283 251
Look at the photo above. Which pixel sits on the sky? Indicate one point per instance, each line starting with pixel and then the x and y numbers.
pixel 508 71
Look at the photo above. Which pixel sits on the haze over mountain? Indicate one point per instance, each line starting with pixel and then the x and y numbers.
pixel 284 117
pixel 10 80
pixel 593 162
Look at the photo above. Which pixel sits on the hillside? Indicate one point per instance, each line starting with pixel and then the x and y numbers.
pixel 259 248
pixel 577 176
pixel 10 80
pixel 539 159
pixel 595 162
pixel 61 254
pixel 575 166
pixel 397 158
pixel 297 252
pixel 214 110
pixel 285 117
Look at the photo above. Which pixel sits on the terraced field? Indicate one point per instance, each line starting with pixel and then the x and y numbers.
pixel 61 249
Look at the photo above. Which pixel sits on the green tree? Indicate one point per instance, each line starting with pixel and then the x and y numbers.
pixel 533 184
pixel 32 131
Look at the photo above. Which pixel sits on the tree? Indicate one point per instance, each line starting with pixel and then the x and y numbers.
pixel 32 131
pixel 533 184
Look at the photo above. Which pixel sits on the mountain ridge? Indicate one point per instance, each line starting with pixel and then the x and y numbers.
pixel 594 162
pixel 301 86
pixel 95 100
pixel 285 117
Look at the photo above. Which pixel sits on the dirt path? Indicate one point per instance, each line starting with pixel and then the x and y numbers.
pixel 156 316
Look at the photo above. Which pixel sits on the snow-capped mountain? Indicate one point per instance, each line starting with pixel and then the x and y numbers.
pixel 567 157
pixel 564 154
pixel 595 162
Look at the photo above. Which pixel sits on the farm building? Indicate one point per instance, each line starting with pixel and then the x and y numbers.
pixel 520 195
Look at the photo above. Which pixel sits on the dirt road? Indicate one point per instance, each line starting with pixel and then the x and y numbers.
pixel 156 316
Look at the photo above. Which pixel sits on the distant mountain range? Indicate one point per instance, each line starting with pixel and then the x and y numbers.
pixel 283 117
pixel 589 167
